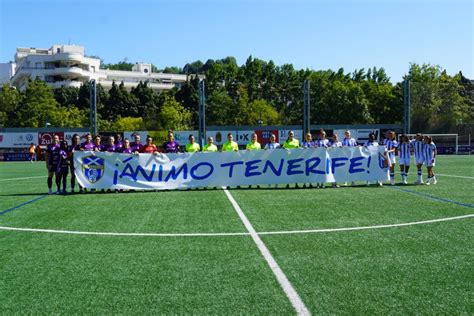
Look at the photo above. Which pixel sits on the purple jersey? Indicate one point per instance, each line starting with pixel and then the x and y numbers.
pixel 118 145
pixel 99 147
pixel 109 148
pixel 136 147
pixel 126 150
pixel 87 146
pixel 53 154
pixel 171 147
pixel 72 149
pixel 63 163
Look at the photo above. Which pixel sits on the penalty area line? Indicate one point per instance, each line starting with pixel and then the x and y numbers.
pixel 285 284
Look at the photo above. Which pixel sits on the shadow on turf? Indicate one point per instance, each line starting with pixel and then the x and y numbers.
pixel 246 188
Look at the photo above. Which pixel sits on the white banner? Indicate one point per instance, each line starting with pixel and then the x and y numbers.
pixel 206 169
pixel 18 140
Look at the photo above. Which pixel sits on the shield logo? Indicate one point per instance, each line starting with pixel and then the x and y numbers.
pixel 93 168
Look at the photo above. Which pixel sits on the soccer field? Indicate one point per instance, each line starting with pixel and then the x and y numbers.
pixel 352 250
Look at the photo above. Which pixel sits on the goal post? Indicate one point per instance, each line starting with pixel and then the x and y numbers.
pixel 446 143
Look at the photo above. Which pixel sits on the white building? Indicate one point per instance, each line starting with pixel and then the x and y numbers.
pixel 66 65
pixel 7 70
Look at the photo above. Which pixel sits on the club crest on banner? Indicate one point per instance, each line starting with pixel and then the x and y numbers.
pixel 93 168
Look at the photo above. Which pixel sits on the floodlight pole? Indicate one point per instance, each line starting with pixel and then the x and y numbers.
pixel 406 107
pixel 202 113
pixel 93 107
pixel 306 108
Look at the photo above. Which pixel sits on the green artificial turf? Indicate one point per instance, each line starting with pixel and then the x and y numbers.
pixel 423 269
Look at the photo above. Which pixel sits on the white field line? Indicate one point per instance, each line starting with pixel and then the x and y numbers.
pixel 73 232
pixel 11 179
pixel 453 176
pixel 285 232
pixel 330 230
pixel 285 284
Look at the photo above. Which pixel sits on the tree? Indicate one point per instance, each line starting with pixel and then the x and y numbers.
pixel 174 116
pixel 38 105
pixel 147 99
pixel 67 96
pixel 120 103
pixel 68 116
pixel 10 100
pixel 219 108
pixel 263 113
pixel 128 124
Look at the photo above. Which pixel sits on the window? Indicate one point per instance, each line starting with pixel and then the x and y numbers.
pixel 38 65
pixel 93 68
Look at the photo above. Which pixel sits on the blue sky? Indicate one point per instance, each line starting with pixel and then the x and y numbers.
pixel 309 34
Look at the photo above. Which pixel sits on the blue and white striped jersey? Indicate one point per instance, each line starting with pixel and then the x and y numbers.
pixel 306 144
pixel 369 143
pixel 349 142
pixel 418 149
pixel 391 144
pixel 322 142
pixel 336 144
pixel 272 146
pixel 404 150
pixel 429 150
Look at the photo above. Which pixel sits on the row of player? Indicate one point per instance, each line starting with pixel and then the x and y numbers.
pixel 59 155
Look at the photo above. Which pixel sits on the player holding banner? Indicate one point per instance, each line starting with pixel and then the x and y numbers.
pixel 52 161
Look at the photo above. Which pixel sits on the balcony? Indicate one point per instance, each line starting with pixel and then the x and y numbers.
pixel 68 57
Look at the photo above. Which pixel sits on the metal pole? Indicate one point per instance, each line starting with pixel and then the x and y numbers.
pixel 405 130
pixel 408 108
pixel 202 113
pixel 93 107
pixel 306 108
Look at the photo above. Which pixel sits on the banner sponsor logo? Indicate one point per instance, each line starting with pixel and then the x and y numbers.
pixel 264 136
pixel 45 139
pixel 93 168
pixel 17 140
pixel 202 169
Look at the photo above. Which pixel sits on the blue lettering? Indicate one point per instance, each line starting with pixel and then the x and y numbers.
pixel 312 164
pixel 231 165
pixel 354 163
pixel 269 165
pixel 292 165
pixel 128 172
pixel 249 166
pixel 160 173
pixel 338 162
pixel 148 177
pixel 207 175
pixel 174 174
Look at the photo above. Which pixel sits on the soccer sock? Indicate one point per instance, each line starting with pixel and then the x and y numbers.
pixel 73 181
pixel 392 175
pixel 58 181
pixel 50 182
pixel 64 182
pixel 420 175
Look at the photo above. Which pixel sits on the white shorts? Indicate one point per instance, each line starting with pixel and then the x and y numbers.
pixel 405 161
pixel 430 163
pixel 420 161
pixel 392 160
